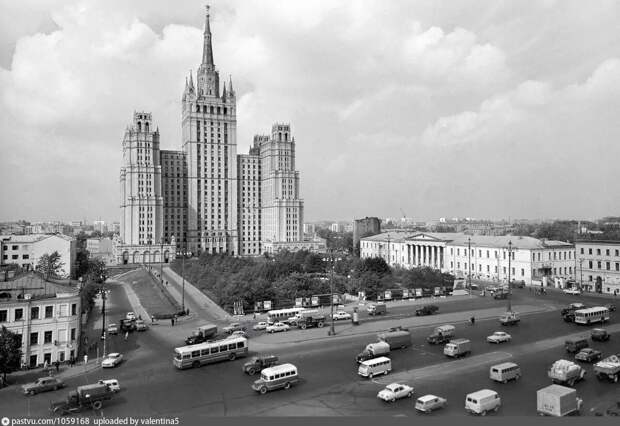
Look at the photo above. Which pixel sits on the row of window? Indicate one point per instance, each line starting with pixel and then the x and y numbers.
pixel 599 265
pixel 13 247
pixel 598 252
pixel 47 337
pixel 15 256
pixel 35 312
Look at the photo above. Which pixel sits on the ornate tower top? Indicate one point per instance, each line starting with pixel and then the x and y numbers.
pixel 207 49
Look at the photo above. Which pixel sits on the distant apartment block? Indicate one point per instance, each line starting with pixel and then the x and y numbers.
pixel 365 227
pixel 26 250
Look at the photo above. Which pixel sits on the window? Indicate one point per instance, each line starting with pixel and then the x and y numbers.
pixel 195 354
pixel 47 337
pixel 598 252
pixel 34 339
pixel 590 264
pixel 607 252
pixel 522 272
pixel 25 256
pixel 34 312
pixel 215 349
pixel 19 314
pixel 4 315
pixel 590 251
pixel 74 309
pixel 598 264
pixel 581 250
pixel 73 334
pixel 49 311
pixel 608 265
pixel 223 348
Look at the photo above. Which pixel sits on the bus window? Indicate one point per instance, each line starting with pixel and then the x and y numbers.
pixel 195 354
pixel 223 348
pixel 204 352
pixel 232 347
pixel 215 349
pixel 240 345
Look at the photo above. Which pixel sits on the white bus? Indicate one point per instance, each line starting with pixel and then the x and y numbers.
pixel 282 315
pixel 591 315
pixel 211 351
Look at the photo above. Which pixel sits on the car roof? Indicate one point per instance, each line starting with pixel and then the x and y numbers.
pixel 114 354
pixel 393 385
pixel 428 397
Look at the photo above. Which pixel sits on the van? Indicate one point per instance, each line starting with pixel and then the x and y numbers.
pixel 576 344
pixel 482 401
pixel 504 372
pixel 457 348
pixel 374 367
pixel 278 376
pixel 377 309
pixel 112 384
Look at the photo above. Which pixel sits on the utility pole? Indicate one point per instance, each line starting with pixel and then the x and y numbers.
pixel 103 330
pixel 509 286
pixel 183 274
pixel 581 272
pixel 161 261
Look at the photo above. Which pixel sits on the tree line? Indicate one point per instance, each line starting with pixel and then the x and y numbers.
pixel 286 276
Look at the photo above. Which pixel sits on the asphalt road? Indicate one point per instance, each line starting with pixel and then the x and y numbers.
pixel 329 382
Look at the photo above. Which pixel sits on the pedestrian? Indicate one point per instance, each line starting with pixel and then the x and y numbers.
pixel 172 321
pixel 57 364
pixel 254 315
pixel 45 364
pixel 140 317
pixel 126 335
pixel 473 320
pixel 85 359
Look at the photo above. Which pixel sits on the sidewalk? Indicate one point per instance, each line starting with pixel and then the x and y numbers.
pixel 195 299
pixel 347 330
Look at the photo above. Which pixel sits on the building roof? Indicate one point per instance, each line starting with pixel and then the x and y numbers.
pixel 35 285
pixel 598 242
pixel 461 239
pixel 32 238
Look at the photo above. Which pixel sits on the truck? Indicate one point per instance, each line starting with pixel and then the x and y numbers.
pixel 608 368
pixel 311 321
pixel 292 321
pixel 565 372
pixel 457 348
pixel 202 334
pixel 426 310
pixel 557 401
pixel 87 396
pixel 377 309
pixel 398 338
pixel 441 334
pixel 509 318
pixel 258 363
pixel 373 350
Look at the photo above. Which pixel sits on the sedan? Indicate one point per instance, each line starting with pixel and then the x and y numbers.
pixel 130 316
pixel 112 329
pixel 112 360
pixel 395 391
pixel 260 326
pixel 279 326
pixel 235 326
pixel 611 307
pixel 428 403
pixel 238 333
pixel 588 355
pixel 342 315
pixel 43 384
pixel 499 337
pixel 572 291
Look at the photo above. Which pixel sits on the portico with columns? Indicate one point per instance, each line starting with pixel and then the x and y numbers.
pixel 423 250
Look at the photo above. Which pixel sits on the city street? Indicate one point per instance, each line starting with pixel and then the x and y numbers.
pixel 329 382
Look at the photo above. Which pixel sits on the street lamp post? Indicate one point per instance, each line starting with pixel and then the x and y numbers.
pixel 331 258
pixel 509 286
pixel 581 273
pixel 103 330
pixel 161 261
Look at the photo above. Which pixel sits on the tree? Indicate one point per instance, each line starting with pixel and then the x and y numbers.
pixel 10 352
pixel 49 264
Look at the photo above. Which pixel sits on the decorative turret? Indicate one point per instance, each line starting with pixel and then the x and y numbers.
pixel 231 92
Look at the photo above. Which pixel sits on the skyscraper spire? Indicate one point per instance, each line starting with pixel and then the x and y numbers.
pixel 230 88
pixel 191 81
pixel 207 50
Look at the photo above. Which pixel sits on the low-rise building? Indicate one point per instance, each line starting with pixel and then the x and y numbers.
pixel 101 248
pixel 45 315
pixel 26 250
pixel 599 265
pixel 532 260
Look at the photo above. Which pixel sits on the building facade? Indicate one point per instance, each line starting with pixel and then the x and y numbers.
pixel 174 191
pixel 536 262
pixel 48 324
pixel 598 263
pixel 365 227
pixel 249 198
pixel 26 250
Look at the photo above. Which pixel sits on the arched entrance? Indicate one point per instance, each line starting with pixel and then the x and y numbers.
pixel 136 257
pixel 125 257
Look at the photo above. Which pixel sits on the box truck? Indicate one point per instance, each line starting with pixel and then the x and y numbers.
pixel 557 401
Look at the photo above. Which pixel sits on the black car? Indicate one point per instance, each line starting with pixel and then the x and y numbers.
pixel 611 307
pixel 426 310
pixel 599 334
pixel 569 317
pixel 588 355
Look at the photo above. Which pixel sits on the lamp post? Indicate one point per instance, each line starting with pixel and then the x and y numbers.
pixel 581 273
pixel 103 298
pixel 331 258
pixel 509 286
pixel 161 261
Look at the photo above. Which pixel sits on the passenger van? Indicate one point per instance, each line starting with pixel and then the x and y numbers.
pixel 576 344
pixel 374 367
pixel 482 401
pixel 504 372
pixel 278 376
pixel 111 383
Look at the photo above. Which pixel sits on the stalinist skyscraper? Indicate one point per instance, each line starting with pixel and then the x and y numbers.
pixel 209 129
pixel 205 197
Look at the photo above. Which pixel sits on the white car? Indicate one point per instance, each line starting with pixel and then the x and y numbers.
pixel 342 315
pixel 239 333
pixel 112 360
pixel 573 291
pixel 130 316
pixel 395 391
pixel 111 383
pixel 260 326
pixel 499 337
pixel 279 326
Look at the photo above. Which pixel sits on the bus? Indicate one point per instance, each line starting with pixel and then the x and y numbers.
pixel 591 315
pixel 282 315
pixel 210 351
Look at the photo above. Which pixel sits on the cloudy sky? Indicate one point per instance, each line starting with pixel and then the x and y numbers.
pixel 433 108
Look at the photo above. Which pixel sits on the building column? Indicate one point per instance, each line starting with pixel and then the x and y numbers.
pixel 432 257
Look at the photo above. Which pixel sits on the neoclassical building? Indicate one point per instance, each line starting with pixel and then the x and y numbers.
pixel 484 257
